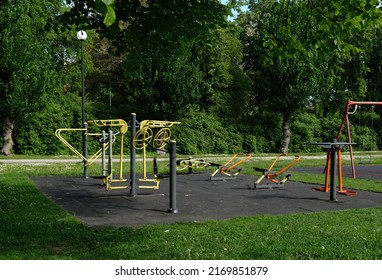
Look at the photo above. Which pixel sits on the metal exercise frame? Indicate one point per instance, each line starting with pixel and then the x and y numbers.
pixel 229 170
pixel 190 164
pixel 273 177
pixel 144 138
pixel 345 119
pixel 333 150
pixel 107 178
pixel 106 142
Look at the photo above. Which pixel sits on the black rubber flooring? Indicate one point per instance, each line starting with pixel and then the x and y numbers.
pixel 197 199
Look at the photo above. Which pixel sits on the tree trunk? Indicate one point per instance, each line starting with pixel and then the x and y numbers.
pixel 8 130
pixel 286 134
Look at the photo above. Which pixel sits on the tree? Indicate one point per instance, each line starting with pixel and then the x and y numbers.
pixel 161 44
pixel 281 67
pixel 25 61
pixel 295 50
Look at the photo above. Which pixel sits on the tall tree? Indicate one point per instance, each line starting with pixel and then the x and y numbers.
pixel 280 65
pixel 295 49
pixel 25 61
pixel 162 44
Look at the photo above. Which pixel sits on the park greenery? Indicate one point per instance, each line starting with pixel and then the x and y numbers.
pixel 273 77
pixel 34 227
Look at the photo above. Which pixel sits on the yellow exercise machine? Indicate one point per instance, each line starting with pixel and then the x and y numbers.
pixel 107 175
pixel 190 163
pixel 144 137
pixel 229 169
pixel 274 177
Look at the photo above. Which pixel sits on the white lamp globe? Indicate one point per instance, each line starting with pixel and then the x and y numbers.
pixel 81 35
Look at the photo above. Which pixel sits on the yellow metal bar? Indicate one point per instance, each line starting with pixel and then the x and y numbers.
pixel 156 181
pixel 247 157
pixel 274 162
pixel 260 179
pixel 155 123
pixel 97 154
pixel 231 159
pixel 215 172
pixel 122 124
pixel 88 161
pixel 144 163
pixel 121 159
pixel 63 140
pixel 123 127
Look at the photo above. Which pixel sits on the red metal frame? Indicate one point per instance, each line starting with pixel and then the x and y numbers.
pixel 346 119
pixel 339 174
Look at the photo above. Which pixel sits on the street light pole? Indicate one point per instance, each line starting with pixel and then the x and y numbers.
pixel 81 35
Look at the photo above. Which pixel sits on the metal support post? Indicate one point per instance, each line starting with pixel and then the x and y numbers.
pixel 189 165
pixel 81 35
pixel 173 208
pixel 333 153
pixel 85 149
pixel 103 153
pixel 133 152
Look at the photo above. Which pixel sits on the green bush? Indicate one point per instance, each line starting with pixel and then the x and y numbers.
pixel 305 129
pixel 329 128
pixel 266 128
pixel 36 132
pixel 203 133
pixel 365 138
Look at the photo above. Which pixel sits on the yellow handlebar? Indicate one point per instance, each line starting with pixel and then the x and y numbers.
pixel 123 127
pixel 154 123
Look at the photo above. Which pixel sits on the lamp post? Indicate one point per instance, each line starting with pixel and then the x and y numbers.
pixel 81 35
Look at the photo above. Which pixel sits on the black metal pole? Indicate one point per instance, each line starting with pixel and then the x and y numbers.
pixel 172 208
pixel 333 152
pixel 190 166
pixel 84 124
pixel 104 171
pixel 133 191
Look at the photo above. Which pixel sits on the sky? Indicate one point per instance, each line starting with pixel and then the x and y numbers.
pixel 243 8
pixel 226 1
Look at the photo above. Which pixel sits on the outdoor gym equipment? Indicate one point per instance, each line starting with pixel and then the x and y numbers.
pixel 333 149
pixel 345 119
pixel 229 170
pixel 70 146
pixel 106 143
pixel 190 164
pixel 144 137
pixel 273 177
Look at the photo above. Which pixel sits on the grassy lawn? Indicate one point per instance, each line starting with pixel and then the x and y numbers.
pixel 33 227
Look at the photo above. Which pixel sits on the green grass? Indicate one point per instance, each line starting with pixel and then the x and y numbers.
pixel 33 227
